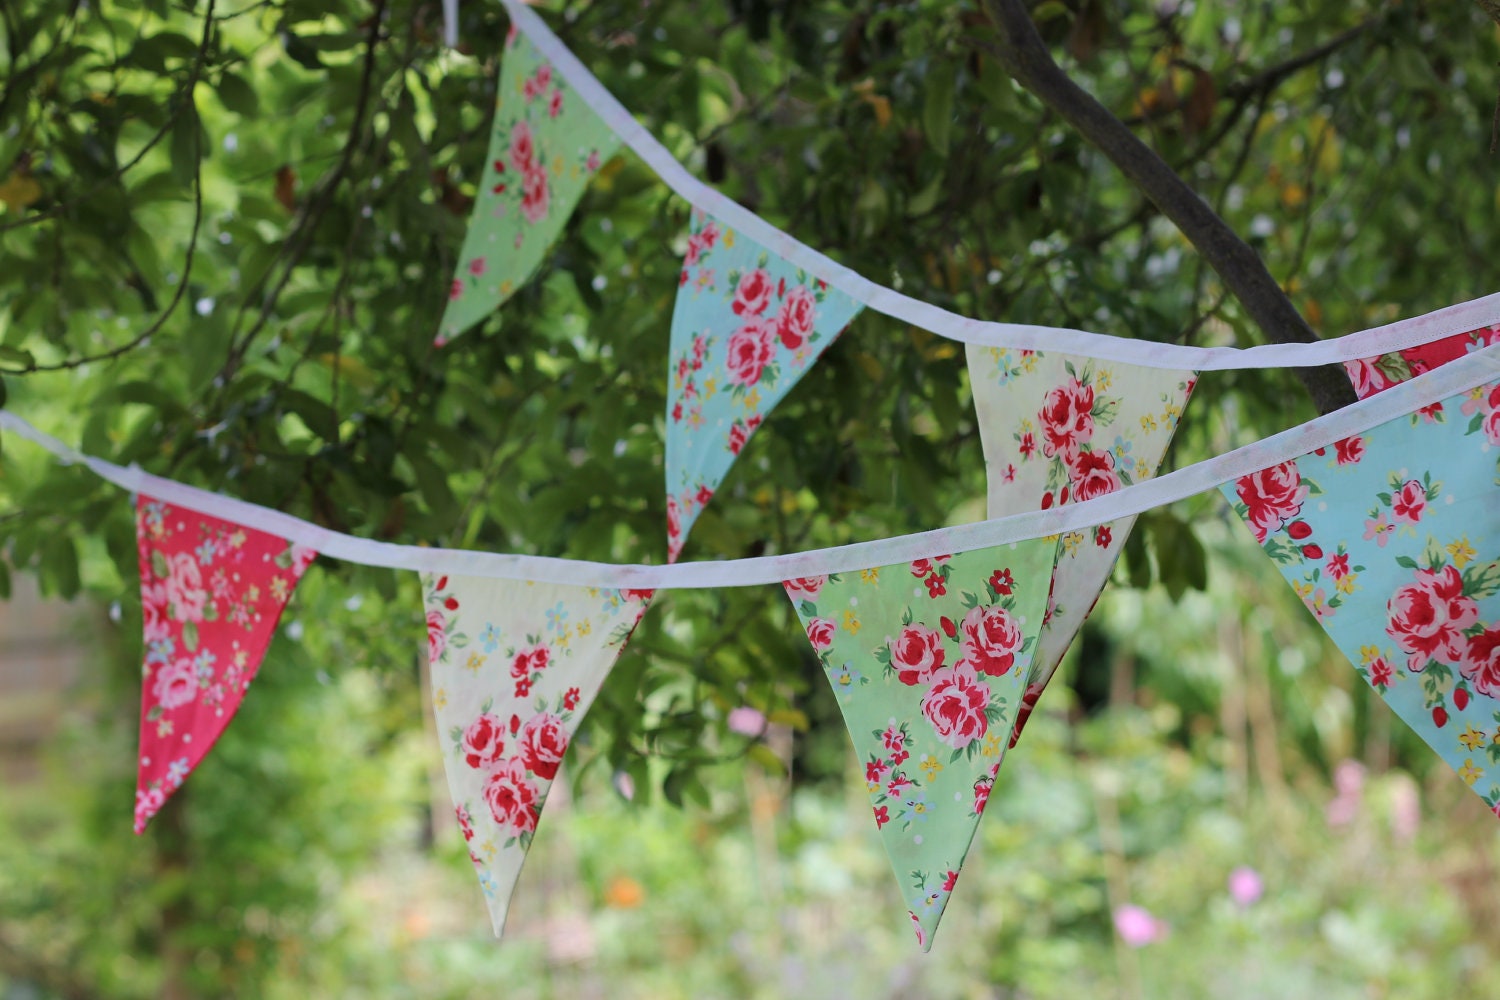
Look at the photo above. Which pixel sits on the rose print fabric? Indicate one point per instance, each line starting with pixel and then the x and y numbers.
pixel 515 665
pixel 211 594
pixel 1060 429
pixel 746 326
pixel 1392 540
pixel 546 145
pixel 1371 375
pixel 929 662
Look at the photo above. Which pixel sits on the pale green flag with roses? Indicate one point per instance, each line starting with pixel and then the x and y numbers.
pixel 546 145
pixel 515 666
pixel 929 662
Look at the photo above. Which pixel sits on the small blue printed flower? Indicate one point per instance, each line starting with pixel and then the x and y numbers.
pixel 557 617
pixel 206 552
pixel 160 650
pixel 490 637
pixel 177 772
pixel 488 884
pixel 916 809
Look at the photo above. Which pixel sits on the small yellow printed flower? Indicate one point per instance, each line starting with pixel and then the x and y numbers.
pixel 695 419
pixel 562 640
pixel 930 766
pixel 871 575
pixel 1071 541
pixel 592 592
pixel 585 627
pixel 729 237
pixel 507 286
pixel 279 589
pixel 252 595
pixel 1148 422
pixel 473 663
pixel 1027 427
pixel 241 657
pixel 1051 538
pixel 1303 588
pixel 851 623
pixel 710 387
pixel 1103 379
pixel 164 727
pixel 1472 738
pixel 1469 772
pixel 1028 363
pixel 997 355
pixel 237 539
pixel 991 747
pixel 489 849
pixel 872 786
pixel 1346 584
pixel 1461 552
pixel 751 399
pixel 440 698
pixel 1368 654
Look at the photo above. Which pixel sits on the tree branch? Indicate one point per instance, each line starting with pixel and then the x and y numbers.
pixel 1025 56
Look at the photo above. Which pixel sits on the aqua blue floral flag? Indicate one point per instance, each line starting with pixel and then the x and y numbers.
pixel 746 327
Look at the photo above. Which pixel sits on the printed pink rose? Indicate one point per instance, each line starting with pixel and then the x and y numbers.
pixel 1093 475
pixel 544 740
pixel 154 612
pixel 1491 426
pixel 147 803
pixel 753 294
pixel 982 786
pixel 437 636
pixel 917 653
pixel 302 557
pixel 543 76
pixel 1350 450
pixel 1274 496
pixel 674 518
pixel 749 349
pixel 1481 665
pixel 740 433
pixel 795 320
pixel 1338 565
pixel 529 661
pixel 955 706
pixel 185 593
pixel 695 249
pixel 535 195
pixel 1067 419
pixel 455 290
pixel 1427 618
pixel 1408 502
pixel 483 742
pixel 476 266
pixel 804 588
pixel 512 798
pixel 820 633
pixel 554 104
pixel 465 822
pixel 176 684
pixel 593 160
pixel 522 147
pixel 1367 378
pixel 991 640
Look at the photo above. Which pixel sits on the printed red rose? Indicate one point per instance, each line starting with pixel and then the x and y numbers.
pixel 513 799
pixel 522 147
pixel 738 435
pixel 1366 377
pixel 1481 664
pixel 820 633
pixel 795 320
pixel 186 596
pixel 154 612
pixel 555 104
pixel 916 654
pixel 1491 426
pixel 1067 419
pixel 804 588
pixel 483 742
pixel 437 636
pixel 1350 450
pixel 544 740
pixel 1093 475
pixel 749 351
pixel 695 249
pixel 674 518
pixel 753 294
pixel 465 822
pixel 1428 617
pixel 992 638
pixel 955 706
pixel 176 684
pixel 1274 496
pixel 982 786
pixel 1408 503
pixel 455 290
pixel 529 661
pixel 535 195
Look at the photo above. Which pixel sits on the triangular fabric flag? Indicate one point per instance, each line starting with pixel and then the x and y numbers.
pixel 211 594
pixel 929 661
pixel 515 666
pixel 746 327
pixel 546 144
pixel 1392 540
pixel 1058 429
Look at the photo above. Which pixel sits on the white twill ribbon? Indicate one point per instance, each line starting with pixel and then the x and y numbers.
pixel 1380 340
pixel 1447 380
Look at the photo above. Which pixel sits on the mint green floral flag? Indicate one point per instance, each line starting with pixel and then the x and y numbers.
pixel 929 662
pixel 546 144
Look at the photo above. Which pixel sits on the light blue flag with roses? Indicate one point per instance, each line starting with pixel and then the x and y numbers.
pixel 929 662
pixel 747 326
pixel 515 666
pixel 1392 540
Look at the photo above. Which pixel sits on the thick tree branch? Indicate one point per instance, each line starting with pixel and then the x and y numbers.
pixel 1024 55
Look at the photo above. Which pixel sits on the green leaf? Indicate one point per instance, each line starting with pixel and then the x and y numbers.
pixel 186 150
pixel 937 106
pixel 238 96
pixel 190 636
pixel 767 759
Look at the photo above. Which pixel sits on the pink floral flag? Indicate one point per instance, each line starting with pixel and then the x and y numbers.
pixel 746 327
pixel 211 594
pixel 515 666
pixel 929 662
pixel 546 144
pixel 1061 429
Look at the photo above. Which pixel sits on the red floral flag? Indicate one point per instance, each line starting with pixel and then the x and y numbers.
pixel 211 594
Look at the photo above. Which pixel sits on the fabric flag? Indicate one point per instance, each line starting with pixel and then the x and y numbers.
pixel 515 666
pixel 546 144
pixel 1392 540
pixel 747 326
pixel 1057 429
pixel 211 594
pixel 929 663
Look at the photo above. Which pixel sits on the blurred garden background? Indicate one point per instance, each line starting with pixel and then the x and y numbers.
pixel 226 234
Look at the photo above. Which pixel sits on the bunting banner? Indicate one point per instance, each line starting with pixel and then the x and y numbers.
pixel 514 669
pixel 1062 428
pixel 929 662
pixel 545 147
pixel 1392 540
pixel 211 594
pixel 746 327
